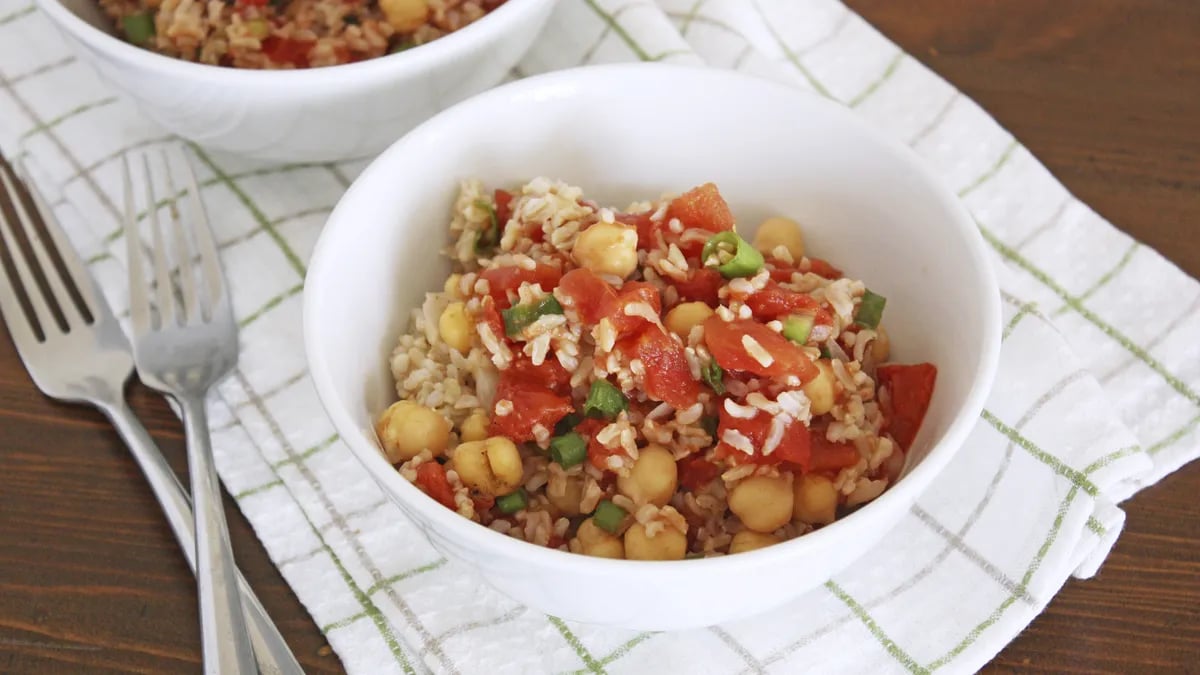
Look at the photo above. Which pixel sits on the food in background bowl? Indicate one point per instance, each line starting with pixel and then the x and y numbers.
pixel 646 384
pixel 284 34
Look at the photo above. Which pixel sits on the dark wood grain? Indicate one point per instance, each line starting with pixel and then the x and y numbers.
pixel 1105 92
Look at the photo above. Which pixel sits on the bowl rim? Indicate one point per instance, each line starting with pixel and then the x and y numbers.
pixel 411 61
pixel 474 535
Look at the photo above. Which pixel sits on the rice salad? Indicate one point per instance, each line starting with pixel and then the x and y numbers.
pixel 645 383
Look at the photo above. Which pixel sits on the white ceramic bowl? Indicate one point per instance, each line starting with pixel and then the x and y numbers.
pixel 631 132
pixel 316 114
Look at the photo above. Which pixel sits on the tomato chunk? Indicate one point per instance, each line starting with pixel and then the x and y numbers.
pixel 702 207
pixel 589 294
pixel 911 389
pixel 794 446
pixel 532 404
pixel 597 454
pixel 695 472
pixel 724 340
pixel 631 293
pixel 701 285
pixel 549 375
pixel 431 478
pixel 822 268
pixel 503 199
pixel 827 456
pixel 501 280
pixel 647 229
pixel 287 50
pixel 775 301
pixel 668 376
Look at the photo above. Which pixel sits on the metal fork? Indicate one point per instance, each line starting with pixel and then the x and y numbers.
pixel 89 361
pixel 182 350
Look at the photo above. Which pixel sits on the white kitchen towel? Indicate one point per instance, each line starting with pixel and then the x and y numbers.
pixel 1096 395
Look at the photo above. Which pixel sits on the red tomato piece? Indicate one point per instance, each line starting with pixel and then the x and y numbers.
pixel 632 292
pixel 647 229
pixel 588 292
pixel 503 200
pixel 482 502
pixel 695 472
pixel 822 268
pixel 532 404
pixel 431 478
pixel 911 389
pixel 724 340
pixel 794 446
pixel 550 375
pixel 702 207
pixel 501 280
pixel 774 301
pixel 490 316
pixel 701 285
pixel 668 377
pixel 827 456
pixel 597 454
pixel 287 50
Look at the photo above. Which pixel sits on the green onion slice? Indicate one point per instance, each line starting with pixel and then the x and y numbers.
pixel 139 28
pixel 744 260
pixel 513 501
pixel 518 317
pixel 567 424
pixel 712 375
pixel 568 450
pixel 825 354
pixel 797 327
pixel 608 516
pixel 870 310
pixel 604 400
pixel 710 423
pixel 489 237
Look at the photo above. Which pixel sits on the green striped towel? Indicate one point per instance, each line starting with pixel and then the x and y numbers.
pixel 1095 324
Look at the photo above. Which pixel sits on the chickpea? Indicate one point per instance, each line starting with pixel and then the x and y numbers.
pixel 607 248
pixel 475 427
pixel 763 503
pixel 748 540
pixel 816 500
pixel 822 389
pixel 881 346
pixel 653 478
pixel 404 15
pixel 567 503
pixel 779 231
pixel 406 428
pixel 451 287
pixel 686 316
pixel 666 544
pixel 596 542
pixel 455 328
pixel 493 466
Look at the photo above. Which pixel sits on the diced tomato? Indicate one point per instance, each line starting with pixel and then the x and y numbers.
pixel 775 301
pixel 702 207
pixel 482 502
pixel 632 292
pixel 503 199
pixel 549 375
pixel 695 472
pixel 597 454
pixel 252 3
pixel 491 316
pixel 823 269
pixel 827 456
pixel 532 404
pixel 647 229
pixel 793 448
pixel 911 389
pixel 781 273
pixel 589 293
pixel 701 285
pixel 724 340
pixel 431 478
pixel 287 50
pixel 501 280
pixel 668 376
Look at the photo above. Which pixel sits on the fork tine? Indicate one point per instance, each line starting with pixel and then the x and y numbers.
pixel 66 304
pixel 191 310
pixel 11 310
pixel 25 276
pixel 210 262
pixel 93 300
pixel 164 298
pixel 139 302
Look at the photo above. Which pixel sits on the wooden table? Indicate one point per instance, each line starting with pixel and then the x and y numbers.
pixel 1105 92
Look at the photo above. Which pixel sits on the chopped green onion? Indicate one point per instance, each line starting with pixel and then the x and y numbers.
pixel 489 237
pixel 604 400
pixel 259 28
pixel 567 424
pixel 608 516
pixel 797 327
pixel 512 502
pixel 744 260
pixel 870 310
pixel 401 46
pixel 712 373
pixel 351 20
pixel 825 354
pixel 518 317
pixel 709 423
pixel 693 555
pixel 139 28
pixel 568 450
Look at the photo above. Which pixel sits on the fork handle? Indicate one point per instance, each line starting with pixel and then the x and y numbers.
pixel 270 649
